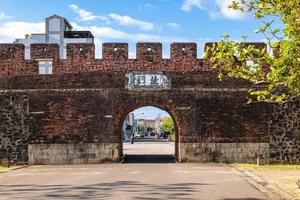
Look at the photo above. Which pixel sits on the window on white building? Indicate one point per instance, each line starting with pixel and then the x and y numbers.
pixel 45 67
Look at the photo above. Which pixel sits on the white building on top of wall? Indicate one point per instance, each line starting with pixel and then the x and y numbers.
pixel 58 30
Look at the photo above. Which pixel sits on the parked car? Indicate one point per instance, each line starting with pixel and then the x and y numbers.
pixel 137 135
pixel 142 135
pixel 164 134
pixel 150 135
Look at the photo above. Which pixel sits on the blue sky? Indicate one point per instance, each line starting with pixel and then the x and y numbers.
pixel 132 21
pixel 149 112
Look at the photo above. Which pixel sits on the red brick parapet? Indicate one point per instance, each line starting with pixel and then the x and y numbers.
pixel 81 58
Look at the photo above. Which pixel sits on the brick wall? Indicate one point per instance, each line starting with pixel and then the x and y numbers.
pixel 69 108
pixel 81 58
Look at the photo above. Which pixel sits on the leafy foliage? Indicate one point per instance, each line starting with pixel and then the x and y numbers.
pixel 168 125
pixel 275 77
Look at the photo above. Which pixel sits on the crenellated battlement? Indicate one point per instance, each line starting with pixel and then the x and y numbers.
pixel 81 58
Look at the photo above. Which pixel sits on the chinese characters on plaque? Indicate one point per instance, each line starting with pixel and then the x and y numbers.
pixel 145 80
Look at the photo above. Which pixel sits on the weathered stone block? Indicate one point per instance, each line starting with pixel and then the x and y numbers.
pixel 230 152
pixel 70 154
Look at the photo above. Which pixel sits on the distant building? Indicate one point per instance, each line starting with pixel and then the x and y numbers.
pixel 130 117
pixel 149 125
pixel 145 126
pixel 140 125
pixel 128 126
pixel 152 125
pixel 158 123
pixel 58 31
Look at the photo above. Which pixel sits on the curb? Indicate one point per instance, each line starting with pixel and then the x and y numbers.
pixel 21 167
pixel 271 190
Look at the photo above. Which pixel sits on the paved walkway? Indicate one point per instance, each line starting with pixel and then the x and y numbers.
pixel 127 181
pixel 149 148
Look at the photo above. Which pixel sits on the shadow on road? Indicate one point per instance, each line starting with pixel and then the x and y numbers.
pixel 132 189
pixel 149 159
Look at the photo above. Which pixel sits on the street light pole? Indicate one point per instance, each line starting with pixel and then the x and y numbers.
pixel 134 120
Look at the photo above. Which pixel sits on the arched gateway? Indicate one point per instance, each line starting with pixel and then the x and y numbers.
pixel 75 114
pixel 151 102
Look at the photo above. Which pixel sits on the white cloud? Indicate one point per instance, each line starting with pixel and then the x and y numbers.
pixel 172 25
pixel 108 33
pixel 148 5
pixel 129 21
pixel 215 8
pixel 124 20
pixel 85 15
pixel 227 12
pixel 189 4
pixel 132 54
pixel 3 16
pixel 9 31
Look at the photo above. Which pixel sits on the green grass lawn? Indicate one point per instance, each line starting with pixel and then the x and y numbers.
pixel 285 176
pixel 4 169
pixel 270 167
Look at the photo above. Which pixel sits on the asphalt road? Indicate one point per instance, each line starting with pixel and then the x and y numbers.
pixel 127 181
pixel 139 177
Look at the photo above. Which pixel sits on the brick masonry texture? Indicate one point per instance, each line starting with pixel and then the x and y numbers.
pixel 66 111
pixel 81 58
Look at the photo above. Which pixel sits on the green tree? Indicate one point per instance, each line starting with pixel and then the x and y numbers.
pixel 274 77
pixel 168 125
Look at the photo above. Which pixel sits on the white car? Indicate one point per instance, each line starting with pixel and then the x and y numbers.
pixel 137 135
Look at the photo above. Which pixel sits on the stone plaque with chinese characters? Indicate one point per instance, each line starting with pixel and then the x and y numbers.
pixel 148 81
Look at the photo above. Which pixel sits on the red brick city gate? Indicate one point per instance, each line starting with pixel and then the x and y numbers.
pixel 75 114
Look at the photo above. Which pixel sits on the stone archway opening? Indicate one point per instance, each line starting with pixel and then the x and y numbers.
pixel 149 134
